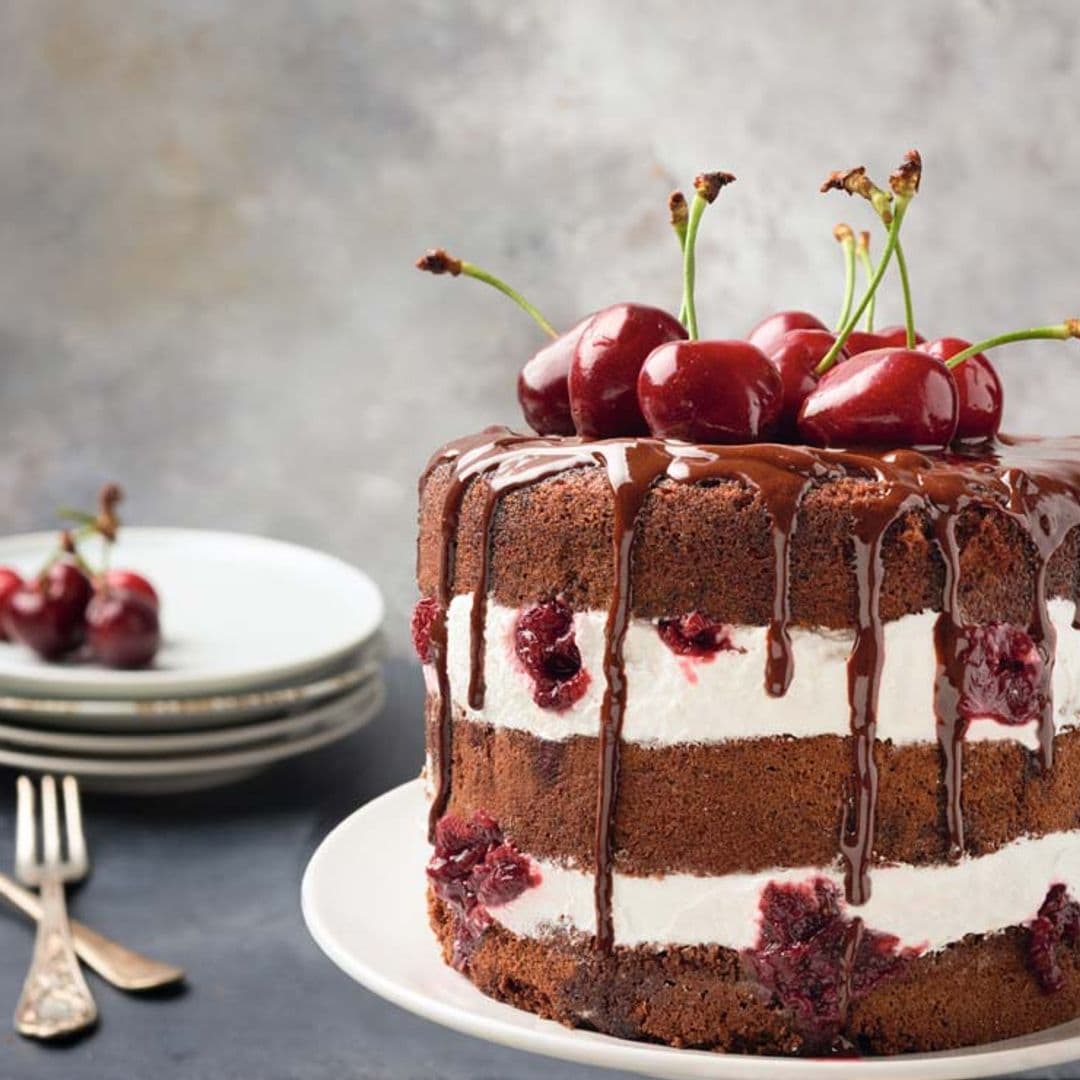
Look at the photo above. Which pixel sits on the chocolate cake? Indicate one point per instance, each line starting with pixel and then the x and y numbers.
pixel 759 748
pixel 753 681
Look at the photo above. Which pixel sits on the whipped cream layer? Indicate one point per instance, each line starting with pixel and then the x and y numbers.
pixel 926 907
pixel 678 699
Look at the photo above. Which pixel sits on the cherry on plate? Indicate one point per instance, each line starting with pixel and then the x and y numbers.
pixel 123 629
pixel 129 581
pixel 10 580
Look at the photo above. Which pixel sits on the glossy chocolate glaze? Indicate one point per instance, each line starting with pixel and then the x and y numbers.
pixel 1036 482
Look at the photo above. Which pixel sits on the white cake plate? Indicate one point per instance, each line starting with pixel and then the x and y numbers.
pixel 380 937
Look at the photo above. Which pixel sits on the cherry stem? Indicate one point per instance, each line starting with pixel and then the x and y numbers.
pixel 846 238
pixel 829 358
pixel 689 310
pixel 1070 328
pixel 863 251
pixel 706 187
pixel 437 261
pixel 680 214
pixel 905 288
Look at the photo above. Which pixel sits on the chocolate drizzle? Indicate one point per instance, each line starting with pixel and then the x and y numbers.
pixel 1036 482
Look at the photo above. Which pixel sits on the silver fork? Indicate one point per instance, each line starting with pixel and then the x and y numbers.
pixel 55 999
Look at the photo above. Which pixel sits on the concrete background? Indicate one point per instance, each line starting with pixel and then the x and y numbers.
pixel 209 213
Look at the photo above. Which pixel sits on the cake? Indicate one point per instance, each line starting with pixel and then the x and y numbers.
pixel 759 746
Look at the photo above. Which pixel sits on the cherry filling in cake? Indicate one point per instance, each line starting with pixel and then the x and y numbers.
pixel 1057 924
pixel 696 635
pixel 545 645
pixel 423 616
pixel 1002 675
pixel 473 869
pixel 817 960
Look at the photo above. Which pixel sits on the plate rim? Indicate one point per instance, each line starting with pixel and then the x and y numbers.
pixel 136 686
pixel 553 1040
pixel 136 768
pixel 174 741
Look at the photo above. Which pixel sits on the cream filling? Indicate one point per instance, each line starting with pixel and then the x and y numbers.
pixel 676 699
pixel 924 906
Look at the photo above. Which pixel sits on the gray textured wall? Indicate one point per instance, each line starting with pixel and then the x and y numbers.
pixel 209 212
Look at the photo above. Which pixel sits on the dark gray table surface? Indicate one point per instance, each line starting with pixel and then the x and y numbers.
pixel 211 881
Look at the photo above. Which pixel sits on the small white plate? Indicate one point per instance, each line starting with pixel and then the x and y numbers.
pixel 148 776
pixel 159 744
pixel 380 936
pixel 238 612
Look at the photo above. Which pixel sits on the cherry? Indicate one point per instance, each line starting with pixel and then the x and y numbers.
pixel 860 341
pixel 888 397
pixel 978 388
pixel 766 334
pixel 1057 923
pixel 1002 675
pixel 543 385
pixel 48 614
pixel 607 361
pixel 10 580
pixel 710 391
pixel 123 629
pixel 896 336
pixel 796 357
pixel 129 581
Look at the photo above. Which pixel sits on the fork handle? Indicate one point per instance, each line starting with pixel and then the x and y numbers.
pixel 123 967
pixel 55 999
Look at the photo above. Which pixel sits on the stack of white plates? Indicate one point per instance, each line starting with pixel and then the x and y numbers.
pixel 269 651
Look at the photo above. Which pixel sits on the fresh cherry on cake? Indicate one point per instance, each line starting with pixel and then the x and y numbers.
pixel 710 391
pixel 123 629
pixel 543 385
pixel 796 357
pixel 860 341
pixel 981 397
pixel 607 361
pixel 896 336
pixel 119 580
pixel 10 580
pixel 889 397
pixel 767 333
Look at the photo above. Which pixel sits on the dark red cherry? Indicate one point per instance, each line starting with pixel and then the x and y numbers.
pixel 978 388
pixel 795 356
pixel 39 621
pixel 423 615
pixel 10 580
pixel 129 581
pixel 123 629
pixel 606 364
pixel 767 333
pixel 48 614
pixel 860 341
pixel 543 385
pixel 896 336
pixel 888 397
pixel 710 392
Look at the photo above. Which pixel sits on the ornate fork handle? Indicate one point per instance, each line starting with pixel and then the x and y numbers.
pixel 55 999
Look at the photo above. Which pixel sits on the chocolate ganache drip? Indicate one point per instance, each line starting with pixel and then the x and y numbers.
pixel 1035 482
